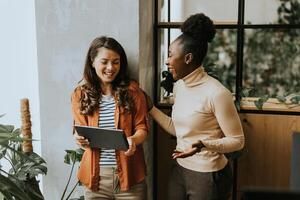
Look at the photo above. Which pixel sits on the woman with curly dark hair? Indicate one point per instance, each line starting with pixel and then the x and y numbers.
pixel 204 119
pixel 106 98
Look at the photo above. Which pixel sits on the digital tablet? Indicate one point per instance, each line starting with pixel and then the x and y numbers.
pixel 103 138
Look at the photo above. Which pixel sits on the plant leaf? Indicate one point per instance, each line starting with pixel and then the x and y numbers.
pixel 260 102
pixel 246 92
pixel 67 159
pixel 18 131
pixel 30 168
pixel 295 99
pixel 73 156
pixel 4 137
pixel 6 128
pixel 2 153
pixel 10 189
pixel 21 154
pixel 3 128
pixel 33 190
pixel 281 99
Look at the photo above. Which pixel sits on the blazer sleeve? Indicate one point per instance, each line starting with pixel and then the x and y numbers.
pixel 78 118
pixel 140 115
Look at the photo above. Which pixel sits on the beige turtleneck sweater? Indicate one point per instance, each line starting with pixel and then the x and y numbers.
pixel 203 110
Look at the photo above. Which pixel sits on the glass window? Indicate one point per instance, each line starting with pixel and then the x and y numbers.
pixel 259 55
pixel 181 9
pixel 220 61
pixel 165 36
pixel 162 8
pixel 272 12
pixel 272 61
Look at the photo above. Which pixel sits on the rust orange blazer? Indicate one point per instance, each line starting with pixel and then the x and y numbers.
pixel 131 169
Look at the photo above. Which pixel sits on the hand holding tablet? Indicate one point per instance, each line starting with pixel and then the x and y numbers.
pixel 103 138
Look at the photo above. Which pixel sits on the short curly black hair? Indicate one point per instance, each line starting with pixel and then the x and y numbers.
pixel 197 31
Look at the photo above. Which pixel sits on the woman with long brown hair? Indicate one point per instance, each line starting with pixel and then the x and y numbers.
pixel 107 98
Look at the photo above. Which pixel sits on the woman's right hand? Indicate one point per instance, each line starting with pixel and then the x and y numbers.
pixel 196 147
pixel 81 141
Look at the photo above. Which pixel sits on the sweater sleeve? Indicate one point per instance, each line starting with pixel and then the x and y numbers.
pixel 163 120
pixel 229 122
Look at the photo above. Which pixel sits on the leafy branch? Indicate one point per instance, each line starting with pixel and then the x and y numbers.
pixel 71 157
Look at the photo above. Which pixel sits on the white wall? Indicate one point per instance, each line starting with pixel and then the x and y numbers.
pixel 42 59
pixel 18 64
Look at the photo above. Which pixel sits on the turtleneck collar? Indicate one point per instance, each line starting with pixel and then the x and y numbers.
pixel 195 78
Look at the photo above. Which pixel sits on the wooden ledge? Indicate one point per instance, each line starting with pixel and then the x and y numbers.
pixel 272 104
pixel 247 103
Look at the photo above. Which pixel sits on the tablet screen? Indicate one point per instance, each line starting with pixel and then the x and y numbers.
pixel 103 138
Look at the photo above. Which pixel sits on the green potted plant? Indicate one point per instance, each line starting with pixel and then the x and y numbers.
pixel 18 182
pixel 18 179
pixel 71 158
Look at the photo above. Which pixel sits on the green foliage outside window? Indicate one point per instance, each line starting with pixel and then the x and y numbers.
pixel 220 61
pixel 271 58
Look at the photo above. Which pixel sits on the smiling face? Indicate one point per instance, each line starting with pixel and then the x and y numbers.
pixel 176 61
pixel 107 65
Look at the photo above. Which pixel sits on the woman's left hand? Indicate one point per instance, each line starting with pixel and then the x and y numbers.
pixel 196 147
pixel 132 147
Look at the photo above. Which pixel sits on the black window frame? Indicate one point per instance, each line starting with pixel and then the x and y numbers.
pixel 240 27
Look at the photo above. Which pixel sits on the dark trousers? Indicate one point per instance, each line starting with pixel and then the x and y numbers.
pixel 185 184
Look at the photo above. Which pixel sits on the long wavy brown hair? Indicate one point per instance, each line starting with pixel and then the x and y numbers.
pixel 91 84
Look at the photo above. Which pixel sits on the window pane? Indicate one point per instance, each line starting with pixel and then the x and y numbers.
pixel 221 57
pixel 181 9
pixel 272 61
pixel 163 44
pixel 272 12
pixel 220 61
pixel 162 10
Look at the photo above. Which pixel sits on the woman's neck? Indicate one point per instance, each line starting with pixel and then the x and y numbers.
pixel 106 89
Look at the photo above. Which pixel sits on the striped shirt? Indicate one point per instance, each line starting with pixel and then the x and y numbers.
pixel 107 120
